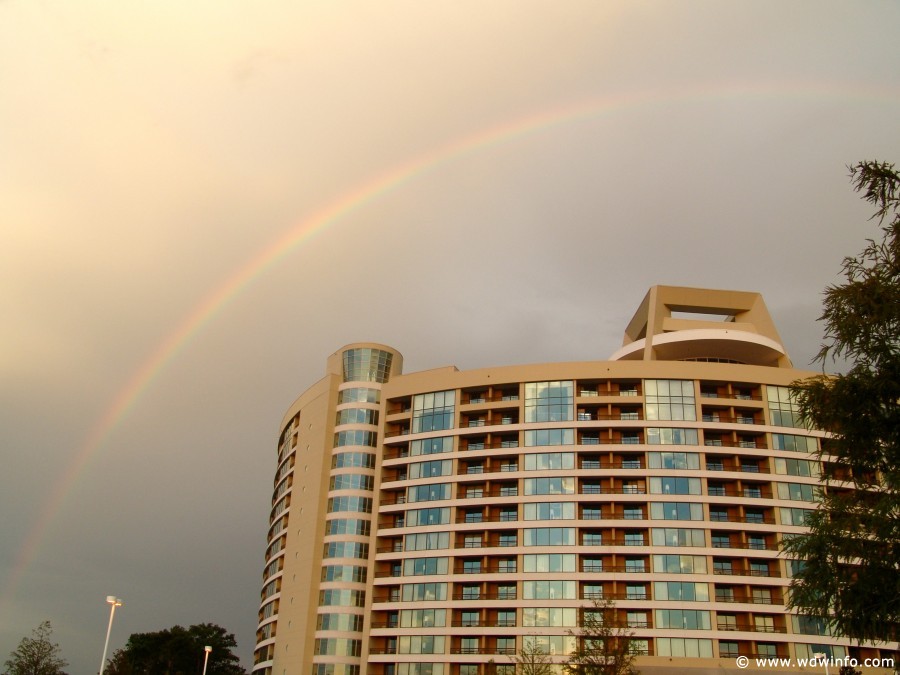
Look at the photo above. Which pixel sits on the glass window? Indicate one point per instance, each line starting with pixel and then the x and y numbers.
pixel 430 469
pixel 469 619
pixel 549 562
pixel 549 401
pixel 635 565
pixel 675 511
pixel 428 493
pixel 435 516
pixel 346 549
pixel 471 592
pixel 796 492
pixel 589 564
pixel 671 485
pixel 506 565
pixel 634 538
pixel 433 412
pixel 718 514
pixel 344 573
pixel 509 513
pixel 549 536
pixel 359 395
pixel 754 516
pixel 679 564
pixel 359 504
pixel 635 592
pixel 592 591
pixel 356 416
pixel 721 541
pixel 341 597
pixel 794 516
pixel 420 669
pixel 721 566
pixel 338 646
pixel 797 467
pixel 684 647
pixel 685 619
pixel 809 625
pixel 794 567
pixel 356 437
pixel 764 624
pixel 506 592
pixel 549 616
pixel 334 669
pixel 805 651
pixel 342 622
pixel 757 542
pixel 365 460
pixel 549 437
pixel 424 592
pixel 782 407
pixel 728 649
pixel 669 400
pixel 766 649
pixel 548 590
pixel 425 566
pixel 421 644
pixel 550 511
pixel 348 526
pixel 679 590
pixel 563 485
pixel 658 436
pixel 550 461
pixel 509 490
pixel 431 446
pixel 426 541
pixel 674 460
pixel 636 620
pixel 471 566
pixel 761 596
pixel 367 365
pixel 793 443
pixel 550 644
pixel 759 569
pixel 672 536
pixel 351 481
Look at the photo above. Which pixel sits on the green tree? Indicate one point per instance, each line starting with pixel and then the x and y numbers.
pixel 532 658
pixel 850 574
pixel 177 651
pixel 37 655
pixel 603 643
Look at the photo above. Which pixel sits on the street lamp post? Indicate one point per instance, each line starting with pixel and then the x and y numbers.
pixel 206 649
pixel 113 603
pixel 822 656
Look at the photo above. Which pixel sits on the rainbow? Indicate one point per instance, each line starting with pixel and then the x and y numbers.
pixel 354 200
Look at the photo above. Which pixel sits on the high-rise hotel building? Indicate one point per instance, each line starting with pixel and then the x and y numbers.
pixel 433 523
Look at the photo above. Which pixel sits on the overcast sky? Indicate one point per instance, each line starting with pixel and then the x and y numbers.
pixel 200 201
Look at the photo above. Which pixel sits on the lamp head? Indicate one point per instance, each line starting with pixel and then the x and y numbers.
pixel 207 649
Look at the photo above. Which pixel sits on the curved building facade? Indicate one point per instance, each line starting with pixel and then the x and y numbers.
pixel 437 522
